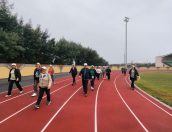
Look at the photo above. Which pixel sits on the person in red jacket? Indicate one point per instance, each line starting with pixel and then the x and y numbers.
pixel 14 77
pixel 51 72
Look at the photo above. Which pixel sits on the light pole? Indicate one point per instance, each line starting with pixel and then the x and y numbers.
pixel 125 58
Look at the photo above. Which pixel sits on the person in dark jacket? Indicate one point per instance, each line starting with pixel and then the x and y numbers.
pixel 14 77
pixel 108 71
pixel 85 73
pixel 36 74
pixel 133 76
pixel 92 76
pixel 73 72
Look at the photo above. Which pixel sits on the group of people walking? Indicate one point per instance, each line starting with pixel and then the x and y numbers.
pixel 44 80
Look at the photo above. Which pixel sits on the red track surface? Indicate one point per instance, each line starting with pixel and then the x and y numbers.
pixel 111 107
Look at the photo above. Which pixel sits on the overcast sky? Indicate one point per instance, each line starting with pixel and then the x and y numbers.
pixel 99 24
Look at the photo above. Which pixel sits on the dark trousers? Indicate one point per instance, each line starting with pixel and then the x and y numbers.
pixel 98 76
pixel 74 81
pixel 10 87
pixel 132 82
pixel 41 93
pixel 92 82
pixel 52 77
pixel 35 85
pixel 108 75
pixel 85 85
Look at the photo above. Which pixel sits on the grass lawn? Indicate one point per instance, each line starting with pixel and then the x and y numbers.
pixel 157 84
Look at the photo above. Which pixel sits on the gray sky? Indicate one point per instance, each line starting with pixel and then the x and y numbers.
pixel 99 24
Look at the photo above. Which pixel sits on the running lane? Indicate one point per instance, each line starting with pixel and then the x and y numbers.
pixel 33 120
pixel 77 115
pixel 112 114
pixel 153 118
pixel 20 102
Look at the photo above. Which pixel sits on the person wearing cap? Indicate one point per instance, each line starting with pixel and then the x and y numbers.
pixel 85 73
pixel 133 76
pixel 45 83
pixel 92 76
pixel 36 74
pixel 14 77
pixel 108 71
pixel 51 72
pixel 73 72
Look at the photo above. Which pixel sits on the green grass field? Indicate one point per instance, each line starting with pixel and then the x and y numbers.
pixel 157 84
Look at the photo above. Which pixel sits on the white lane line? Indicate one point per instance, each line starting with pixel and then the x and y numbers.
pixel 152 97
pixel 45 127
pixel 30 105
pixel 31 85
pixel 151 101
pixel 95 112
pixel 25 93
pixel 15 89
pixel 15 97
pixel 146 130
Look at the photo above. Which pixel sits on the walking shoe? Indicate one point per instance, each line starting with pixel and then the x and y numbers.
pixel 92 88
pixel 34 94
pixel 85 95
pixel 7 95
pixel 48 102
pixel 36 106
pixel 21 92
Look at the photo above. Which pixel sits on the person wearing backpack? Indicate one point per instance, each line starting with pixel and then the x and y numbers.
pixel 45 83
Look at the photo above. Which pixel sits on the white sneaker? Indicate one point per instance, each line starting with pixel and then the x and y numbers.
pixel 7 95
pixel 21 92
pixel 34 94
pixel 92 88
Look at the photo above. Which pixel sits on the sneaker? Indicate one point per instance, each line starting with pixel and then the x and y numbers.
pixel 36 106
pixel 85 95
pixel 7 95
pixel 92 88
pixel 21 92
pixel 34 94
pixel 48 102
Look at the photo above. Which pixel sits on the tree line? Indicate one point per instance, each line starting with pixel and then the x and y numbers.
pixel 21 43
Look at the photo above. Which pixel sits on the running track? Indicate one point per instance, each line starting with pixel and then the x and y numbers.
pixel 111 107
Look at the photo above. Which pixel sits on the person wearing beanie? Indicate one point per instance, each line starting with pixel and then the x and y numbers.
pixel 36 74
pixel 14 77
pixel 45 83
pixel 73 72
pixel 85 73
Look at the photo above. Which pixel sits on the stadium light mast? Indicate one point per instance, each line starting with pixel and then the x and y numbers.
pixel 125 57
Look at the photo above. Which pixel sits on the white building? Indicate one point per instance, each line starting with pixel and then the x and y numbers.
pixel 163 61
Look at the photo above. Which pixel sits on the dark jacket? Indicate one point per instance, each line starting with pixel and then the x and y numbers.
pixel 108 71
pixel 135 74
pixel 36 74
pixel 92 73
pixel 17 74
pixel 73 71
pixel 85 72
